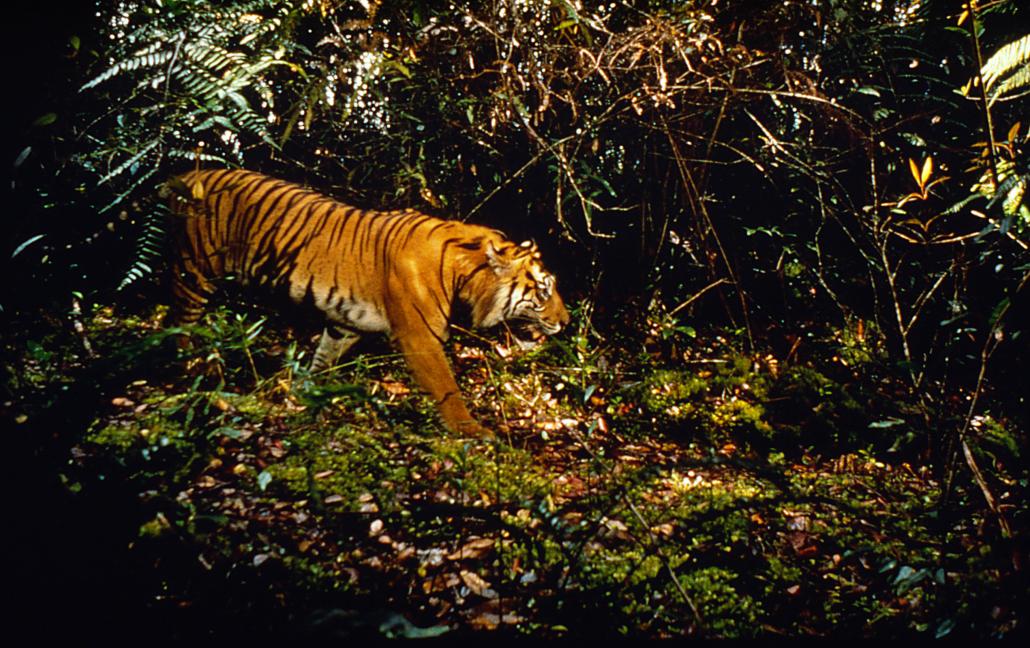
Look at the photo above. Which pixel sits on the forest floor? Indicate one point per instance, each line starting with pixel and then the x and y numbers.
pixel 663 488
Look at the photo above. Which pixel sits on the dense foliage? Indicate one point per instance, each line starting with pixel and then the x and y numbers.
pixel 825 199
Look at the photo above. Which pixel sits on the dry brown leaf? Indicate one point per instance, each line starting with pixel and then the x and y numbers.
pixel 474 548
pixel 394 387
pixel 440 582
pixel 476 584
pixel 488 615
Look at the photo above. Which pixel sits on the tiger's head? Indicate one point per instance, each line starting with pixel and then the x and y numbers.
pixel 525 295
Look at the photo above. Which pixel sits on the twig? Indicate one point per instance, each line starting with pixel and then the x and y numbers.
pixel 992 155
pixel 993 341
pixel 696 295
pixel 80 329
pixel 692 188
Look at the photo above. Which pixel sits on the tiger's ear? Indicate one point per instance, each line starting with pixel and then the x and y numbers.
pixel 498 260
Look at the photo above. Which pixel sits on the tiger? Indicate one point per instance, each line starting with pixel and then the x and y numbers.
pixel 398 272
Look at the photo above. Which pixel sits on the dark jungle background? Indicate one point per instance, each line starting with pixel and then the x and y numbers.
pixel 792 401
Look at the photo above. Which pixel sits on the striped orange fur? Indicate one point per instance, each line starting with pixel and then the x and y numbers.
pixel 393 272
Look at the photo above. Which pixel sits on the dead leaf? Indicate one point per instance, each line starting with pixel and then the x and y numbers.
pixel 664 529
pixel 441 582
pixel 476 584
pixel 206 481
pixel 121 401
pixel 474 548
pixel 394 387
pixel 488 615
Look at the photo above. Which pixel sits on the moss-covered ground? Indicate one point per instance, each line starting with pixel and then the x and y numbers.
pixel 650 489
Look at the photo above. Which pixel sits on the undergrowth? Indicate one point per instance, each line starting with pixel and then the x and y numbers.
pixel 629 492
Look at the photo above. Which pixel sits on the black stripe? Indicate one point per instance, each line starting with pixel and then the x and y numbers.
pixel 341 223
pixel 423 218
pixel 388 236
pixel 429 327
pixel 263 248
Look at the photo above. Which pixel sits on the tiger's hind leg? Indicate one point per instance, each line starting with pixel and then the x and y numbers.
pixel 191 291
pixel 334 343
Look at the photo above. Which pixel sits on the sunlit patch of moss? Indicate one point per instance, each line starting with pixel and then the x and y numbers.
pixel 338 464
pixel 741 420
pixel 151 430
pixel 739 376
pixel 638 584
pixel 728 612
pixel 668 388
pixel 118 434
pixel 504 474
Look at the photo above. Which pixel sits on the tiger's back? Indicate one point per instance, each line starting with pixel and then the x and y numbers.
pixel 286 237
pixel 394 272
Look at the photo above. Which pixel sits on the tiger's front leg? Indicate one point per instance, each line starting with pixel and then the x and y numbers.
pixel 429 366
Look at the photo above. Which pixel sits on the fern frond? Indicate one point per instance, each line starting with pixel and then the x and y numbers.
pixel 118 170
pixel 184 154
pixel 149 60
pixel 149 245
pixel 1017 82
pixel 146 175
pixel 213 58
pixel 1012 56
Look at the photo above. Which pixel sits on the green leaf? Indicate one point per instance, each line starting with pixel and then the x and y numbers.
pixel 45 120
pixel 944 628
pixel 886 423
pixel 18 161
pixel 27 243
pixel 905 573
pixel 232 433
pixel 395 626
pixel 589 392
pixel 264 478
pixel 400 67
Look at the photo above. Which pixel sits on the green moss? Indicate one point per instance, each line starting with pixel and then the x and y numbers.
pixel 810 408
pixel 118 435
pixel 344 462
pixel 727 612
pixel 741 420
